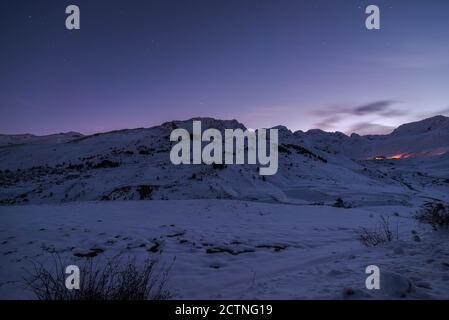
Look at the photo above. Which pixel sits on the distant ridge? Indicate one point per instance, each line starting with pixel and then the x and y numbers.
pixel 424 138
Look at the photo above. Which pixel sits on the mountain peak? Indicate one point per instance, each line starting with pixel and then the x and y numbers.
pixel 206 123
pixel 423 126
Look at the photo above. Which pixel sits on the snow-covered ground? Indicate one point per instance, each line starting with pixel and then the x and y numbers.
pixel 234 233
pixel 228 249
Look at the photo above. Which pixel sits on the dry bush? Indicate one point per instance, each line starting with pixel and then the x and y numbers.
pixel 379 236
pixel 116 279
pixel 339 203
pixel 435 214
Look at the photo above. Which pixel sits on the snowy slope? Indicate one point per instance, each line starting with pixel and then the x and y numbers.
pixel 8 140
pixel 429 137
pixel 135 164
pixel 234 233
pixel 232 249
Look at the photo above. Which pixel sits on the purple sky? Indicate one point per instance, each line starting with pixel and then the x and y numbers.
pixel 303 64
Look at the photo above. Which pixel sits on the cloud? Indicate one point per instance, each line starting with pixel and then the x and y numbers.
pixel 328 123
pixel 367 128
pixel 394 113
pixel 373 107
pixel 365 116
pixel 380 107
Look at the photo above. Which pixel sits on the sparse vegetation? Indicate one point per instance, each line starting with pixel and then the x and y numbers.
pixel 378 236
pixel 303 151
pixel 79 166
pixel 435 214
pixel 117 279
pixel 339 203
pixel 218 166
pixel 145 151
pixel 145 192
pixel 141 192
pixel 283 149
pixel 107 164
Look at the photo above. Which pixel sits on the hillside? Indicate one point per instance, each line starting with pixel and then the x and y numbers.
pixel 314 167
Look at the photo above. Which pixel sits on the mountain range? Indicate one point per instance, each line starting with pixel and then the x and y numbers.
pixel 308 231
pixel 314 166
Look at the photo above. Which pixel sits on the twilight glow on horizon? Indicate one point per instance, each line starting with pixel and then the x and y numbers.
pixel 299 63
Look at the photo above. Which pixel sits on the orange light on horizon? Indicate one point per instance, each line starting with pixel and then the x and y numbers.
pixel 401 156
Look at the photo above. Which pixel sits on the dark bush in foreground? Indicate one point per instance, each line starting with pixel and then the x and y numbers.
pixel 114 280
pixel 381 235
pixel 435 214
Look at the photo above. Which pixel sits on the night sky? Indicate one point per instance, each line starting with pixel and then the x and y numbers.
pixel 303 64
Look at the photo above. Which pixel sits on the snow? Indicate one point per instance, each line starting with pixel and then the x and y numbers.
pixel 318 256
pixel 8 140
pixel 235 234
pixel 420 139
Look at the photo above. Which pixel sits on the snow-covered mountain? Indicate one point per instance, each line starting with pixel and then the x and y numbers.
pixel 429 137
pixel 235 234
pixel 14 139
pixel 314 167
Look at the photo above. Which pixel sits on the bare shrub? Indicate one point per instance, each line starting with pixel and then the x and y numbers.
pixel 116 279
pixel 106 164
pixel 435 214
pixel 378 236
pixel 339 203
